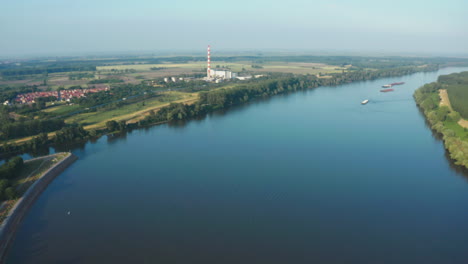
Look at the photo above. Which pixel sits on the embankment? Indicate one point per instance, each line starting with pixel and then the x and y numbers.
pixel 19 210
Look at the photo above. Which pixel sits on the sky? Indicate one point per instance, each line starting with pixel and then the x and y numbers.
pixel 64 27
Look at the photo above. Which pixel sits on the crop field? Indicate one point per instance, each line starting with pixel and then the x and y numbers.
pixel 54 81
pixel 144 71
pixel 147 67
pixel 188 68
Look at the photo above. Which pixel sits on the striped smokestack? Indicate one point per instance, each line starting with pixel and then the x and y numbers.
pixel 208 68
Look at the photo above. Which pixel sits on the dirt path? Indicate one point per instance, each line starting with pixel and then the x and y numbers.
pixel 444 100
pixel 463 123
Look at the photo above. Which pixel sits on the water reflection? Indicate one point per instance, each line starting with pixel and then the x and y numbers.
pixel 117 137
pixel 461 170
pixel 81 145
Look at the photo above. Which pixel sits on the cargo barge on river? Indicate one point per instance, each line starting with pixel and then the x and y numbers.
pixel 392 84
pixel 387 90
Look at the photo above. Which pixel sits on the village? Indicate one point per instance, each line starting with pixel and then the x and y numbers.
pixel 61 95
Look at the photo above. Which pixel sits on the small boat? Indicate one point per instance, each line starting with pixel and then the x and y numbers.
pixel 365 102
pixel 387 90
pixel 386 86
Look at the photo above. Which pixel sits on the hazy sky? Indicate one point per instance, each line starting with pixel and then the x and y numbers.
pixel 60 27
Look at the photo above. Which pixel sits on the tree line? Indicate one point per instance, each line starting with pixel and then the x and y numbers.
pixel 444 121
pixel 18 129
pixel 457 89
pixel 42 70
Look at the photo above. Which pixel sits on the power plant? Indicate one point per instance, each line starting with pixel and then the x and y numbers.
pixel 217 74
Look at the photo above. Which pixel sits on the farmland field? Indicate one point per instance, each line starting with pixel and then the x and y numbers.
pixel 187 68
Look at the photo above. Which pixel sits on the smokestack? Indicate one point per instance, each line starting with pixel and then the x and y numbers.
pixel 208 68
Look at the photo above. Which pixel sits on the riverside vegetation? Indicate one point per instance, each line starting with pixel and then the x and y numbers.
pixel 44 124
pixel 444 119
pixel 8 171
pixel 17 176
pixel 210 97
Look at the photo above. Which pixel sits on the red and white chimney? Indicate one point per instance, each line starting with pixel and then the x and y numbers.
pixel 208 68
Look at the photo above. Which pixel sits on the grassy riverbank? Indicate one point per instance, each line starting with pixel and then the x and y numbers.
pixel 435 100
pixel 31 171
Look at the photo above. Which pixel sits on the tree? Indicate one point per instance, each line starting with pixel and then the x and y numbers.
pixel 112 125
pixel 122 125
pixel 10 193
pixel 4 183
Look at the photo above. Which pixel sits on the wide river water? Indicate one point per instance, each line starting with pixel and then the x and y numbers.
pixel 308 177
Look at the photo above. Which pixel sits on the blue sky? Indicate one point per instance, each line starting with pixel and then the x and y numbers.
pixel 61 27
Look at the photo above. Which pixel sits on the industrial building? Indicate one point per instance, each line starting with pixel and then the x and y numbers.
pixel 213 74
pixel 221 73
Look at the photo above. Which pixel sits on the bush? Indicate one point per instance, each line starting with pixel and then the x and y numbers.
pixel 11 168
pixel 4 184
pixel 453 116
pixel 10 193
pixel 112 125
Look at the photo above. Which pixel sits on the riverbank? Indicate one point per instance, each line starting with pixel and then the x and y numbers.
pixel 200 103
pixel 19 207
pixel 435 104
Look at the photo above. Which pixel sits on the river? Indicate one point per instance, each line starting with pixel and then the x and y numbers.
pixel 308 177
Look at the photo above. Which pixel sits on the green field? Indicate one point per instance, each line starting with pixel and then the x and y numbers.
pixel 299 68
pixel 62 109
pixel 460 132
pixel 32 170
pixel 147 67
pixel 102 116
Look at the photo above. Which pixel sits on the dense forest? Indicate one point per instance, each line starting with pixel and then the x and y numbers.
pixel 442 119
pixel 457 89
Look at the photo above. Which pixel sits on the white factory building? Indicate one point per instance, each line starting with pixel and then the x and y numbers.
pixel 222 74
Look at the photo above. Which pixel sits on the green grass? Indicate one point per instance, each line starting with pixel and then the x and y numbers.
pixel 459 131
pixel 435 98
pixel 62 109
pixel 100 116
pixel 36 167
